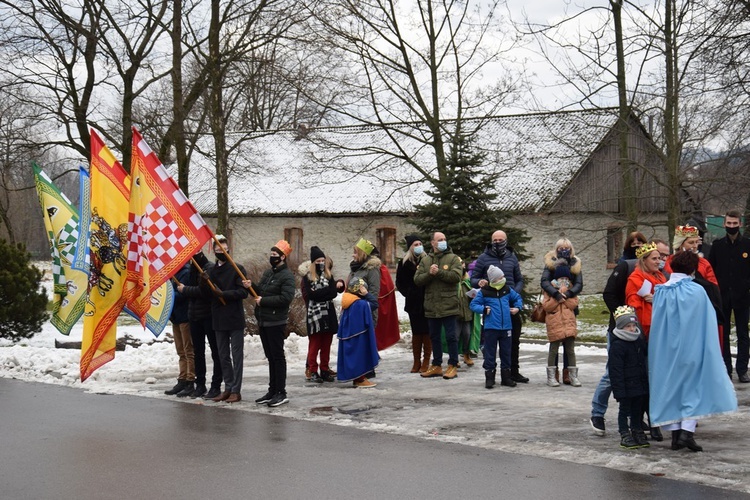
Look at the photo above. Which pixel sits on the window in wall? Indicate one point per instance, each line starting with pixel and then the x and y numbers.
pixel 614 245
pixel 294 236
pixel 386 243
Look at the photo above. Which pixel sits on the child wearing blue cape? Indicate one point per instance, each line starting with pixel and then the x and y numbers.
pixel 358 349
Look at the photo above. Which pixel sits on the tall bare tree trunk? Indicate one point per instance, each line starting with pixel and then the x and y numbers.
pixel 671 124
pixel 178 110
pixel 629 200
pixel 217 119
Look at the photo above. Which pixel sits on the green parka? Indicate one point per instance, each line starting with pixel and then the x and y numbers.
pixel 440 290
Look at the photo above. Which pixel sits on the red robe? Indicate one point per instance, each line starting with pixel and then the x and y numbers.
pixel 387 331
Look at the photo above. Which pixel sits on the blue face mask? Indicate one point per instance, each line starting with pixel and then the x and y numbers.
pixel 442 246
pixel 418 250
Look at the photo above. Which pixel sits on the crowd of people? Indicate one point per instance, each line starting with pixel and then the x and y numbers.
pixel 668 335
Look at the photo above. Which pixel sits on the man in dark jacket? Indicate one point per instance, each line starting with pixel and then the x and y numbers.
pixel 201 328
pixel 500 255
pixel 274 293
pixel 228 321
pixel 730 258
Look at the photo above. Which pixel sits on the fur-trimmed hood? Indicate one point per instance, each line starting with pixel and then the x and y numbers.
pixel 371 263
pixel 550 261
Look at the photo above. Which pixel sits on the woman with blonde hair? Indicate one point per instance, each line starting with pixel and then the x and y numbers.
pixel 563 253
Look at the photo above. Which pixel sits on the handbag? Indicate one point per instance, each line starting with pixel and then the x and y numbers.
pixel 538 314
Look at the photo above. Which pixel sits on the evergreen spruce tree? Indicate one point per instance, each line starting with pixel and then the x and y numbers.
pixel 23 303
pixel 461 207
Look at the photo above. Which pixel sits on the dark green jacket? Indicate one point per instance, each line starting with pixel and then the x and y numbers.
pixel 276 289
pixel 440 290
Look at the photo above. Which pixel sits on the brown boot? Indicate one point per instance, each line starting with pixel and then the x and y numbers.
pixel 467 359
pixel 427 346
pixel 221 397
pixel 557 375
pixel 566 376
pixel 433 371
pixel 234 398
pixel 416 349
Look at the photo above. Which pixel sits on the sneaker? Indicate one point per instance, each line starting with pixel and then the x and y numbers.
pixel 264 399
pixel 640 438
pixel 433 371
pixel 451 372
pixel 278 400
pixel 364 383
pixel 212 393
pixel 314 377
pixel 628 442
pixel 597 424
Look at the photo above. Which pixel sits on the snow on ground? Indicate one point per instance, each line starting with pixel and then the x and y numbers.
pixel 531 419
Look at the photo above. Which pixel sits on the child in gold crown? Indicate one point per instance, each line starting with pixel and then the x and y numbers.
pixel 628 373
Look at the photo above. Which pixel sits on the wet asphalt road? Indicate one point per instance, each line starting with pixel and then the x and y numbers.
pixel 61 443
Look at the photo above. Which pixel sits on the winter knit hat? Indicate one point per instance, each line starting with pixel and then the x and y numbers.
pixel 365 245
pixel 410 239
pixel 495 274
pixel 562 270
pixel 624 315
pixel 282 246
pixel 355 284
pixel 316 253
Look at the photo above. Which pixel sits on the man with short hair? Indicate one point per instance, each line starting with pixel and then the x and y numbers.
pixel 439 273
pixel 730 258
pixel 500 255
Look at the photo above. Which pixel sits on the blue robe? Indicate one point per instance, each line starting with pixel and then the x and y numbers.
pixel 358 348
pixel 687 376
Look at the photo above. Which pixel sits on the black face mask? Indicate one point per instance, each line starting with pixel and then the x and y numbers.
pixel 563 254
pixel 320 268
pixel 221 257
pixel 274 261
pixel 732 230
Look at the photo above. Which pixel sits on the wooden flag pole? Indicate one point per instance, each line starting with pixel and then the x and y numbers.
pixel 231 261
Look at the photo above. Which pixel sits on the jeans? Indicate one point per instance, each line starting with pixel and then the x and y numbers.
pixel 493 339
pixel 272 338
pixel 231 364
pixel 449 323
pixel 464 335
pixel 600 401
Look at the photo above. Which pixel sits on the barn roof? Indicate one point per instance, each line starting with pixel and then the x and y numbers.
pixel 341 170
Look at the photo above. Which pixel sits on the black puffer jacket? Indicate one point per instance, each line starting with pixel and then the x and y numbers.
pixel 628 367
pixel 276 289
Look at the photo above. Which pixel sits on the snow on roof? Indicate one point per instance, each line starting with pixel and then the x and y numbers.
pixel 342 170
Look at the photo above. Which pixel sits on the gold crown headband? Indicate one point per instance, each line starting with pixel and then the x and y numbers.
pixel 622 311
pixel 644 250
pixel 686 232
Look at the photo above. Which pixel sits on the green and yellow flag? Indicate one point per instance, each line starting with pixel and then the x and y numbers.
pixel 63 231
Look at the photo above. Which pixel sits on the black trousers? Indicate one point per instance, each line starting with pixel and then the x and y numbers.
pixel 272 338
pixel 515 321
pixel 200 330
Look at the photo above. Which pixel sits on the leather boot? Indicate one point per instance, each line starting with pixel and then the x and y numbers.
pixel 551 381
pixel 566 376
pixel 177 388
pixel 416 350
pixel 427 347
pixel 187 389
pixel 557 374
pixel 676 440
pixel 489 379
pixel 573 376
pixel 687 440
pixel 506 379
pixel 467 359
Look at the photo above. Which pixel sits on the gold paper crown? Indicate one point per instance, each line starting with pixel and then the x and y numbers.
pixel 644 250
pixel 622 311
pixel 686 232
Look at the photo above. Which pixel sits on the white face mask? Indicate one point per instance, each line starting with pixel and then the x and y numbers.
pixel 418 250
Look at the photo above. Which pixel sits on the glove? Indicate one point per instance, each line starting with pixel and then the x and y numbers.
pixel 204 276
pixel 218 293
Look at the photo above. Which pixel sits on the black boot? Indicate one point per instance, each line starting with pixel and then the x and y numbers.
pixel 212 392
pixel 505 378
pixel 489 379
pixel 686 439
pixel 199 391
pixel 177 388
pixel 640 438
pixel 516 376
pixel 656 434
pixel 187 390
pixel 676 440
